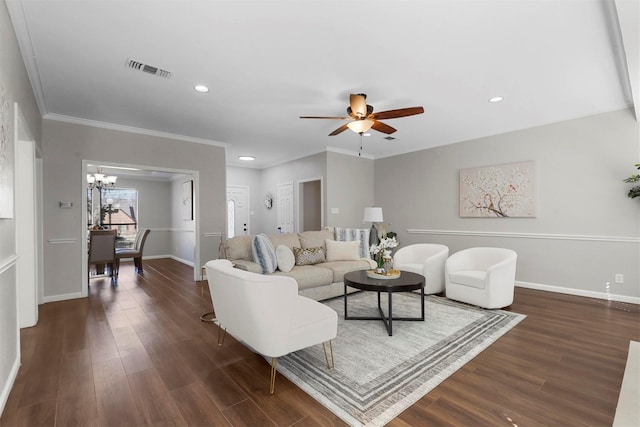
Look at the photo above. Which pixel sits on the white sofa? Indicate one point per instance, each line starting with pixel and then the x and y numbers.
pixel 426 259
pixel 266 313
pixel 318 281
pixel 481 276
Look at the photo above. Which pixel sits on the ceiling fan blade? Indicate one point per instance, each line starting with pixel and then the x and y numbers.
pixel 358 104
pixel 382 127
pixel 324 117
pixel 339 130
pixel 394 114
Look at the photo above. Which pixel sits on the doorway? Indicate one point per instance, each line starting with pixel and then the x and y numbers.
pixel 173 236
pixel 310 205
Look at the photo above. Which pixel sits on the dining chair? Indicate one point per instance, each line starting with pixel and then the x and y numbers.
pixel 102 250
pixel 135 252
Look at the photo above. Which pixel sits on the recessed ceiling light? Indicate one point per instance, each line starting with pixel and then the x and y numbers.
pixel 496 99
pixel 201 88
pixel 246 158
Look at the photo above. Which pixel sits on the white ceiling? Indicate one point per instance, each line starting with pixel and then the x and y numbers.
pixel 269 62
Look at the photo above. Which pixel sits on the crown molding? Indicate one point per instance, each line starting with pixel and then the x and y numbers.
pixel 131 129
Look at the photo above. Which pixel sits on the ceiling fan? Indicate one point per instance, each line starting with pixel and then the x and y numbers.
pixel 363 117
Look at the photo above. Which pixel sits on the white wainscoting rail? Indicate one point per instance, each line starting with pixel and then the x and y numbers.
pixel 8 262
pixel 578 237
pixel 62 241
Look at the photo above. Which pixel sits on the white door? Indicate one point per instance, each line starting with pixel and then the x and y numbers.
pixel 237 211
pixel 284 205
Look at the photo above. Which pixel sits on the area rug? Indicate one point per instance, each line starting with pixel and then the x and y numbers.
pixel 376 376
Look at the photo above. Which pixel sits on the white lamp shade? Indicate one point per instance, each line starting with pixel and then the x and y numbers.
pixel 91 179
pixel 360 126
pixel 372 214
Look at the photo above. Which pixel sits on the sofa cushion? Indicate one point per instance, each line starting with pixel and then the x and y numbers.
pixel 308 256
pixel 309 276
pixel 342 251
pixel 286 259
pixel 264 253
pixel 238 247
pixel 472 278
pixel 339 268
pixel 314 239
pixel 289 240
pixel 349 234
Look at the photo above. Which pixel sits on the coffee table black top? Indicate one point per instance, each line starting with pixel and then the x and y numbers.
pixel 407 281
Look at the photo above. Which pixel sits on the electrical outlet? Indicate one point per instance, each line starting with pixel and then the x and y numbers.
pixel 619 278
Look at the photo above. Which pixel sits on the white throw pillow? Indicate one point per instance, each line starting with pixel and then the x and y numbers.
pixel 286 259
pixel 264 253
pixel 342 251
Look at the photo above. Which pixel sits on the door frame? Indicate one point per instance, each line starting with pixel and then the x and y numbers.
pixel 84 289
pixel 28 236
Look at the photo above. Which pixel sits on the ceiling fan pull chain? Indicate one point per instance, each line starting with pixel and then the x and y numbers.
pixel 360 152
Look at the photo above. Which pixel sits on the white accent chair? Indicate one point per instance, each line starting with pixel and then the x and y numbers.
pixel 481 276
pixel 424 258
pixel 266 314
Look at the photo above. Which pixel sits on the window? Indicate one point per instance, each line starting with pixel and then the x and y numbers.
pixel 118 211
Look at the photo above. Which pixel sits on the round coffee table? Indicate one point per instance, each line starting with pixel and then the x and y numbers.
pixel 406 282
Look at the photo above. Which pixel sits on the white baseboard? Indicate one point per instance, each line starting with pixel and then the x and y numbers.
pixel 13 373
pixel 63 297
pixel 184 261
pixel 579 292
pixel 175 258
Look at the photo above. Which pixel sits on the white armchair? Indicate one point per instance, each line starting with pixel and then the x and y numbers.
pixel 481 276
pixel 265 313
pixel 424 258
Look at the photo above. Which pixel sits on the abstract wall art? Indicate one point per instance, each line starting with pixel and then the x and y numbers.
pixel 500 191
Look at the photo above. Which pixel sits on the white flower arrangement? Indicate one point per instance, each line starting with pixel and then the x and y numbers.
pixel 385 244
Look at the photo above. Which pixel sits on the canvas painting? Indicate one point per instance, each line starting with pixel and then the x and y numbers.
pixel 6 155
pixel 500 191
pixel 187 200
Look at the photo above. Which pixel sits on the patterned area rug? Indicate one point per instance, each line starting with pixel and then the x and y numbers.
pixel 376 376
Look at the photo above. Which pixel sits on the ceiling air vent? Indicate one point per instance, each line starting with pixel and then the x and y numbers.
pixel 389 138
pixel 150 69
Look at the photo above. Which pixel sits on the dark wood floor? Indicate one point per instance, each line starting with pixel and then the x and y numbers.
pixel 139 355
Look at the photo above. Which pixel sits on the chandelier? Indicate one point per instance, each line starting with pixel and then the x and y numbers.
pixel 99 180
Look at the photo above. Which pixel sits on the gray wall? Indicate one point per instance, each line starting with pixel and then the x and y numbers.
pixel 314 166
pixel 586 229
pixel 67 145
pixel 15 81
pixel 350 183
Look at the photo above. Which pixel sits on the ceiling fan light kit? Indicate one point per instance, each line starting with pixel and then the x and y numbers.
pixel 360 126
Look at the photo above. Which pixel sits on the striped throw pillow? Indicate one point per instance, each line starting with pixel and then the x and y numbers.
pixel 349 234
pixel 264 253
